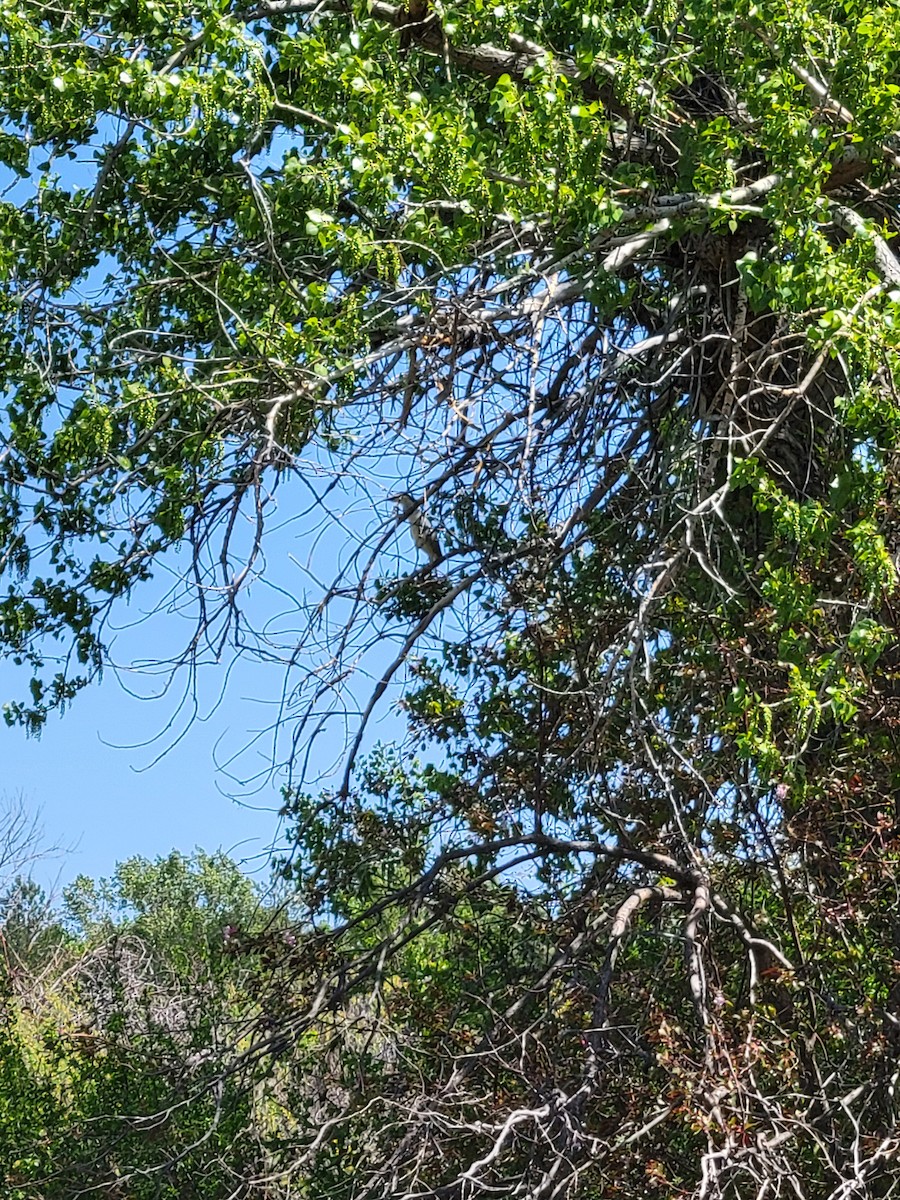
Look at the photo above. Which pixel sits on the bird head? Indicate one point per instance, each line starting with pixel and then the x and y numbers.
pixel 406 504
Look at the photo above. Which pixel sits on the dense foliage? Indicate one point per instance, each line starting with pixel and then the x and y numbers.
pixel 108 1068
pixel 609 291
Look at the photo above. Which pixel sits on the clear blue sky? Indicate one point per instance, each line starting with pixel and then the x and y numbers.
pixel 104 802
pixel 95 774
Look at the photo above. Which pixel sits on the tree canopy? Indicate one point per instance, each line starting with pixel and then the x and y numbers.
pixel 608 291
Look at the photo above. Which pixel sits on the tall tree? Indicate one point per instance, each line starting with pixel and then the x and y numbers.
pixel 606 294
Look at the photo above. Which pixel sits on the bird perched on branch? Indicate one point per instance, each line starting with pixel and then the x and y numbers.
pixel 421 528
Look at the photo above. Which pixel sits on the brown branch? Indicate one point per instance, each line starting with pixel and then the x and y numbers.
pixel 490 61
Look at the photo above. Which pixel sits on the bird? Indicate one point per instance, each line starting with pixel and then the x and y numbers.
pixel 420 526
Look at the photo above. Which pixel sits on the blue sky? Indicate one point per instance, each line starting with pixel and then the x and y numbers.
pixel 103 802
pixel 117 775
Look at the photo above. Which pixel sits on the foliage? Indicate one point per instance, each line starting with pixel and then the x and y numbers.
pixel 108 1052
pixel 32 935
pixel 177 906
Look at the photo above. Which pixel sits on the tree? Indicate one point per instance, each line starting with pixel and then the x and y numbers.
pixel 29 933
pixel 610 289
pixel 109 1056
pixel 177 905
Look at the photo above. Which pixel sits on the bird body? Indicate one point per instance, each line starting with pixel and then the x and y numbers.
pixel 420 526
